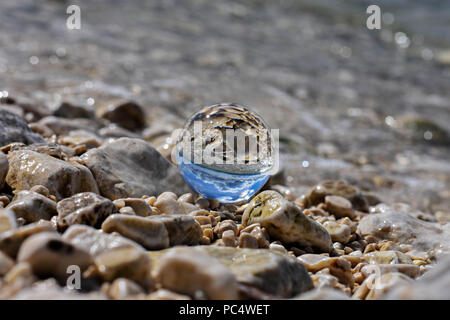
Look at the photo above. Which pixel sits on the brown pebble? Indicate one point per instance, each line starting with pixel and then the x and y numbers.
pixel 247 240
pixel 339 206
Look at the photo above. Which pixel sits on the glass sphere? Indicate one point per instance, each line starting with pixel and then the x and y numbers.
pixel 225 152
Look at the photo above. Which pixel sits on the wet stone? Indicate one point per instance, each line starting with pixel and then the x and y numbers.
pixel 387 257
pixel 335 188
pixel 339 207
pixel 97 242
pixel 339 267
pixel 32 206
pixel 132 168
pixel 4 166
pixel 151 234
pixel 195 273
pixel 10 241
pixel 49 255
pixel 270 271
pixel 338 231
pixel 286 222
pixel 127 114
pixel 140 206
pixel 14 129
pixel 434 284
pixel 84 208
pixel 410 270
pixel 167 203
pixel 381 286
pixel 386 222
pixel 63 179
pixel 130 263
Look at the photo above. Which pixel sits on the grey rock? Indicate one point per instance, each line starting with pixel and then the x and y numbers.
pixel 10 241
pixel 70 110
pixel 131 168
pixel 32 206
pixel 195 273
pixel 63 179
pixel 386 222
pixel 14 129
pixel 84 208
pixel 127 114
pixel 434 284
pixel 49 255
pixel 285 221
pixel 156 232
pixel 97 242
pixel 271 272
pixel 63 126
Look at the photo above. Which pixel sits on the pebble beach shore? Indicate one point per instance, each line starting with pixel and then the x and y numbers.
pixel 358 210
pixel 117 209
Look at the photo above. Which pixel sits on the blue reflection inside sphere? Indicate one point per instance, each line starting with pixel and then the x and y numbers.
pixel 222 186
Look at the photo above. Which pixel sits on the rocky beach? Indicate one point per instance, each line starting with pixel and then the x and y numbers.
pixel 92 205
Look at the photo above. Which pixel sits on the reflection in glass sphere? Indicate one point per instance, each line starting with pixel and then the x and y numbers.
pixel 225 152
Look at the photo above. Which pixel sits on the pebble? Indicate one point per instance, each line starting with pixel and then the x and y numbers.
pixel 97 242
pixel 127 114
pixel 63 179
pixel 386 257
pixel 335 188
pixel 32 206
pixel 385 222
pixel 14 129
pixel 339 267
pixel 410 270
pixel 132 168
pixel 270 271
pixel 339 207
pixel 7 220
pixel 156 232
pixel 11 241
pixel 84 208
pixel 338 231
pixel 62 126
pixel 81 138
pixel 4 166
pixel 49 255
pixel 130 263
pixel 123 288
pixel 140 206
pixel 151 234
pixel 167 203
pixel 376 287
pixel 285 221
pixel 69 110
pixel 194 273
pixel 433 285
pixel 226 225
